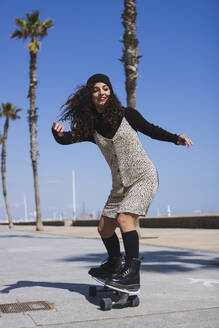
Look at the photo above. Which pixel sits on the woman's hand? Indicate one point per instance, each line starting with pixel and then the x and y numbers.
pixel 184 141
pixel 59 128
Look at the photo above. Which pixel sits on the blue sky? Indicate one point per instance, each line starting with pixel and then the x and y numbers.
pixel 177 90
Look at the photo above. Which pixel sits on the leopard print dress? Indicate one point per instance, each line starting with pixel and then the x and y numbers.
pixel 134 177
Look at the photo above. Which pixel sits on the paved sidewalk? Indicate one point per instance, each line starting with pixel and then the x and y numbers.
pixel 180 287
pixel 202 239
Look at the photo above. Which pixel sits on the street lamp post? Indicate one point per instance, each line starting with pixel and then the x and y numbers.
pixel 73 196
pixel 25 208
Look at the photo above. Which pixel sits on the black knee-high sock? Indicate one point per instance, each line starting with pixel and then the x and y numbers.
pixel 112 245
pixel 131 244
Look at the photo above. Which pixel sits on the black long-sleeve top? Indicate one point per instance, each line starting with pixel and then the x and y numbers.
pixel 134 118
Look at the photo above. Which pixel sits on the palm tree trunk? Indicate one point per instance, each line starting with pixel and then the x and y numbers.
pixel 33 137
pixel 130 51
pixel 3 172
pixel 130 58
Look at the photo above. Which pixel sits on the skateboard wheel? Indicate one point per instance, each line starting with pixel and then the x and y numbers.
pixel 92 291
pixel 106 304
pixel 134 301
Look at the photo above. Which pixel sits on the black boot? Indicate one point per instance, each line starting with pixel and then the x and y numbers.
pixel 108 269
pixel 129 278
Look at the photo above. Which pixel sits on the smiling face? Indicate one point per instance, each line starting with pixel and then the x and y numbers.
pixel 100 95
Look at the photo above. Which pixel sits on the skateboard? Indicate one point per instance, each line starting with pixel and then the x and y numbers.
pixel 121 298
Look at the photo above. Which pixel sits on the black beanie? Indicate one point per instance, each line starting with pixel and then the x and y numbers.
pixel 99 78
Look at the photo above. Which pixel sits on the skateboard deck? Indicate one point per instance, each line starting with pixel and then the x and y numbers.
pixel 124 297
pixel 122 290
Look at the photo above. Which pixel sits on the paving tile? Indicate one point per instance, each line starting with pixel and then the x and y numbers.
pixel 16 321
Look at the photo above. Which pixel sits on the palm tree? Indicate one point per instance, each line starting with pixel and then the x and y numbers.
pixel 33 28
pixel 130 56
pixel 9 112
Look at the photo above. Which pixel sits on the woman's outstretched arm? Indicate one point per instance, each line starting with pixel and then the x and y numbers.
pixel 69 137
pixel 139 123
pixel 62 137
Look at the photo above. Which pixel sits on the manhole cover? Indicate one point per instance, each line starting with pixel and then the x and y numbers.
pixel 25 307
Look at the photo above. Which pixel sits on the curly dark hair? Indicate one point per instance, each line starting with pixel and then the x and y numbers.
pixel 81 112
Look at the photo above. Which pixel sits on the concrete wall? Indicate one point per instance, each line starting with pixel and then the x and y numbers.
pixel 198 221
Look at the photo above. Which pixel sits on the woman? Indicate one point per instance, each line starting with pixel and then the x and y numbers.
pixel 97 116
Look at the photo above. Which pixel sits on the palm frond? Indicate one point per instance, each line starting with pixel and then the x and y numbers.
pixel 21 33
pixel 43 29
pixel 20 22
pixel 10 111
pixel 33 17
pixel 48 23
pixel 33 22
pixel 17 34
pixel 8 108
pixel 14 116
pixel 33 28
pixel 23 26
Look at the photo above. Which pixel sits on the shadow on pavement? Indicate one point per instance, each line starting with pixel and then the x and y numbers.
pixel 79 288
pixel 178 261
pixel 160 261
